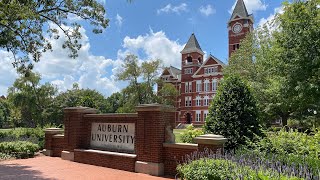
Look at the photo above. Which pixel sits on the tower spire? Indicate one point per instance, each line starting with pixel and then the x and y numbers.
pixel 192 45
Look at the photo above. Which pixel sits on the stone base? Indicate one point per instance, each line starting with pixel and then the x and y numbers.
pixel 67 155
pixel 47 152
pixel 155 169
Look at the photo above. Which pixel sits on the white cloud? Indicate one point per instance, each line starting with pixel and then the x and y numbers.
pixel 269 20
pixel 88 70
pixel 156 46
pixel 119 20
pixel 91 71
pixel 252 6
pixel 7 72
pixel 207 10
pixel 183 7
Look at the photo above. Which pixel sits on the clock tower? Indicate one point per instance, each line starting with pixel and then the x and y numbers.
pixel 239 25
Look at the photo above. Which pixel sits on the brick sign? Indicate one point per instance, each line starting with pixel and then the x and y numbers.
pixel 113 136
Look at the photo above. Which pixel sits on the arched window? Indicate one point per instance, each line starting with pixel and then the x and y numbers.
pixel 200 60
pixel 198 101
pixel 189 59
pixel 214 84
pixel 206 85
pixel 206 101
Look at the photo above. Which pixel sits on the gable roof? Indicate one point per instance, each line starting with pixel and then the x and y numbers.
pixel 241 10
pixel 173 71
pixel 192 45
pixel 206 61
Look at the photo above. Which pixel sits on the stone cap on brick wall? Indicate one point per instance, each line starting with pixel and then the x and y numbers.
pixel 80 109
pixel 210 139
pixel 181 145
pixel 155 107
pixel 53 131
pixel 121 115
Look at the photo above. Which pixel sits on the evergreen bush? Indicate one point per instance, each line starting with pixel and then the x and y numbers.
pixel 233 113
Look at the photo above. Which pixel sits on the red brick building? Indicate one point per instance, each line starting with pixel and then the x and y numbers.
pixel 198 79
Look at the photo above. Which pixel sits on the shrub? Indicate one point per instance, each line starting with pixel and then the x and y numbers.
pixel 4 156
pixel 19 149
pixel 212 169
pixel 288 147
pixel 233 113
pixel 34 135
pixel 190 134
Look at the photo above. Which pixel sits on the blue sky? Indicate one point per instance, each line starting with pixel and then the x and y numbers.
pixel 150 28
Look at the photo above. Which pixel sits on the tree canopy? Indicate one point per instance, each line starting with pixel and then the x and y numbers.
pixel 281 63
pixel 26 24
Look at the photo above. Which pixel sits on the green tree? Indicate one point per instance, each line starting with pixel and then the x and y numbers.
pixel 4 112
pixel 233 113
pixel 142 79
pixel 114 102
pixel 32 99
pixel 298 56
pixel 77 97
pixel 255 63
pixel 24 25
pixel 167 94
pixel 282 66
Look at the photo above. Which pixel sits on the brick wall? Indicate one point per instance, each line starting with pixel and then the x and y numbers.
pixel 58 143
pixel 175 153
pixel 150 147
pixel 99 158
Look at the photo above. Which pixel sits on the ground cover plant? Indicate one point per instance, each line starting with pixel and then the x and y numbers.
pixel 277 155
pixel 210 166
pixel 290 147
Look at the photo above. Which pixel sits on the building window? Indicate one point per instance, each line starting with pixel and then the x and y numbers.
pixel 189 59
pixel 188 71
pixel 206 101
pixel 236 46
pixel 199 86
pixel 198 116
pixel 206 85
pixel 188 87
pixel 214 85
pixel 198 101
pixel 205 115
pixel 211 70
pixel 188 101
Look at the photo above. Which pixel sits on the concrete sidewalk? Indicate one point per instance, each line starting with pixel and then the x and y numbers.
pixel 44 168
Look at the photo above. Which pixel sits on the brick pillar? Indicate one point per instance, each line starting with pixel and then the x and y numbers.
pixel 49 133
pixel 150 136
pixel 75 132
pixel 211 141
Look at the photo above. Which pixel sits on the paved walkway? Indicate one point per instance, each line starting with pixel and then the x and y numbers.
pixel 45 168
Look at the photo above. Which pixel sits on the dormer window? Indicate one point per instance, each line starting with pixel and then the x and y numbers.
pixel 211 70
pixel 200 60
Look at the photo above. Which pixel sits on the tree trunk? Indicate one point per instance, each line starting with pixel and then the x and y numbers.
pixel 284 119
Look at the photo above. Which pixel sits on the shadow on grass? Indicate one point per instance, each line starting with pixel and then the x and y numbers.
pixel 17 172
